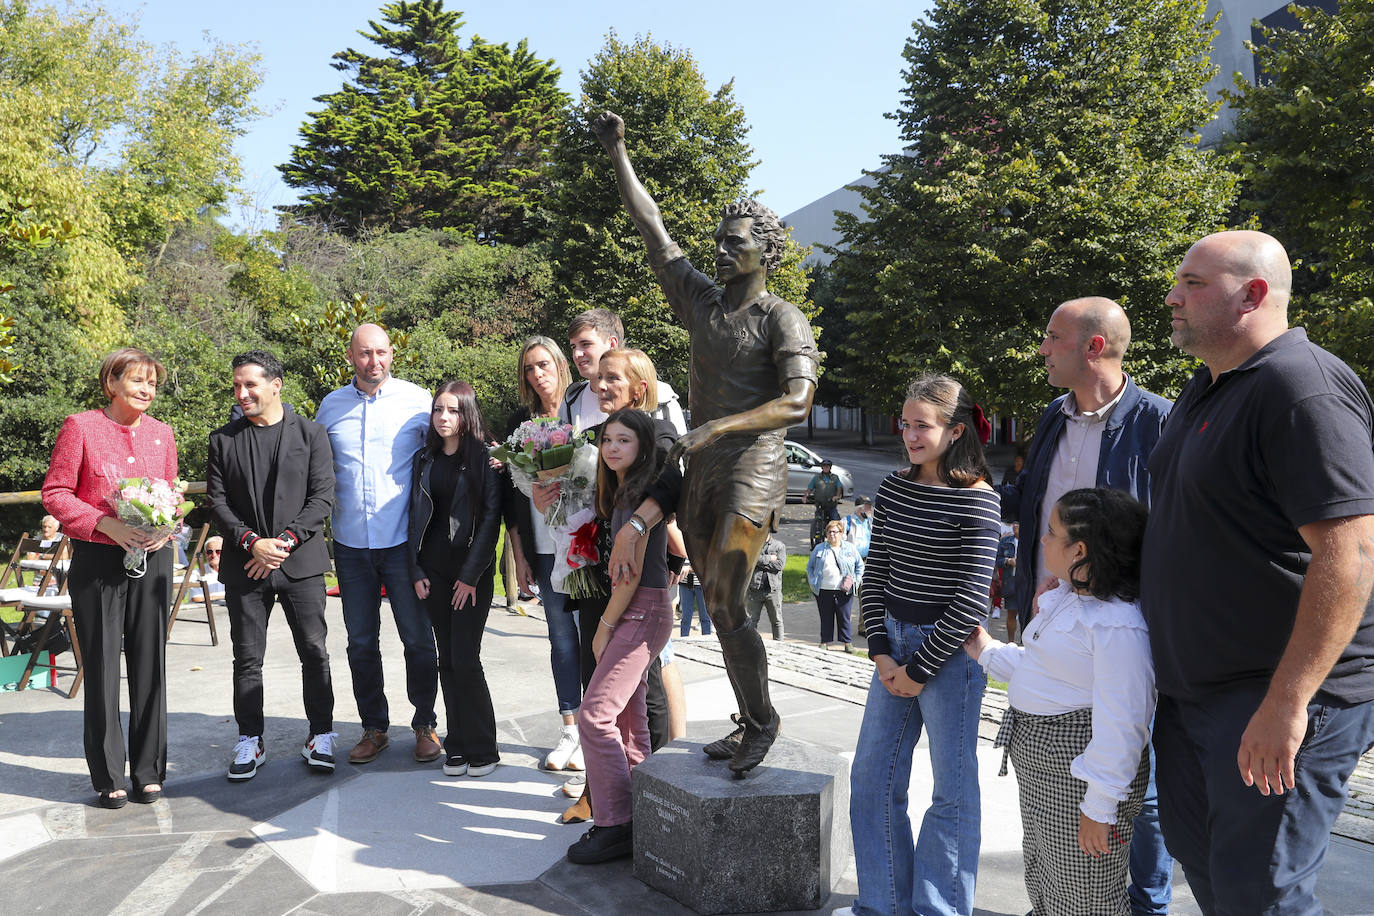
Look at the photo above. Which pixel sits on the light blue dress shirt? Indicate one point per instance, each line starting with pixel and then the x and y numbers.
pixel 374 437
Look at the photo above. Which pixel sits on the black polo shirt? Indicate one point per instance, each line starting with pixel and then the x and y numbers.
pixel 1283 440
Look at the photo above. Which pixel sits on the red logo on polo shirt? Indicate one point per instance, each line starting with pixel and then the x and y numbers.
pixel 1204 425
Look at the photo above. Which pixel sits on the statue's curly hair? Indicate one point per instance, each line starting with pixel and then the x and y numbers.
pixel 767 229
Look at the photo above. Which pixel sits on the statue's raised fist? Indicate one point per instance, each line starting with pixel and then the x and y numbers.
pixel 608 128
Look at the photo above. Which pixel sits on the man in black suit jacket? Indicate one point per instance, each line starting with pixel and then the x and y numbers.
pixel 271 486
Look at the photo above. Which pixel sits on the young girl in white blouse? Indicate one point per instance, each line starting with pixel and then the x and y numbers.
pixel 1082 693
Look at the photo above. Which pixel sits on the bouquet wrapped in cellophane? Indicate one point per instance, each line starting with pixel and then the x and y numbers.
pixel 151 505
pixel 542 450
pixel 578 562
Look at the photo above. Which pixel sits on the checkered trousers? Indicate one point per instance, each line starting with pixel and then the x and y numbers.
pixel 1060 879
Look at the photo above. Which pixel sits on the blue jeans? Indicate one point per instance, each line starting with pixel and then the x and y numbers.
pixel 563 644
pixel 936 874
pixel 362 573
pixel 689 596
pixel 1241 851
pixel 1152 868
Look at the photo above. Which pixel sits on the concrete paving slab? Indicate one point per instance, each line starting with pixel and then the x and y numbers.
pixel 450 831
pixel 21 833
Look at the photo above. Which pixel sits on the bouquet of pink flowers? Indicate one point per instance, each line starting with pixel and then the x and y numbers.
pixel 152 506
pixel 545 450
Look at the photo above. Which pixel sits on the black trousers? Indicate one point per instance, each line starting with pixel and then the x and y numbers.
pixel 458 637
pixel 108 607
pixel 834 607
pixel 589 611
pixel 249 609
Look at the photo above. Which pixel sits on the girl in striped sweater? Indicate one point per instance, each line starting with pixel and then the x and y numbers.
pixel 935 534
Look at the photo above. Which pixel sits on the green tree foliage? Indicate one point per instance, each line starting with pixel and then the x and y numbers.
pixel 108 148
pixel 433 134
pixel 689 147
pixel 1305 135
pixel 1051 153
pixel 102 132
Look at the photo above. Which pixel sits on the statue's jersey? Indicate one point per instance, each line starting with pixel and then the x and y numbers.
pixel 740 360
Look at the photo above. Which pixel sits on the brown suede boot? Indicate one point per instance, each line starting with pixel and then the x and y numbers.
pixel 580 811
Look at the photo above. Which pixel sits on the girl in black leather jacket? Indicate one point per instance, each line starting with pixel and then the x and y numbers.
pixel 455 515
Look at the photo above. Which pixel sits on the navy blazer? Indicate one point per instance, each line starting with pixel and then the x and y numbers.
pixel 1123 464
pixel 301 502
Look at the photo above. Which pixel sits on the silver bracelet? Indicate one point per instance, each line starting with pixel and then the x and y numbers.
pixel 606 625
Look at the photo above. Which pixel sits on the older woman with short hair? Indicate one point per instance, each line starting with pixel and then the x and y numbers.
pixel 94 450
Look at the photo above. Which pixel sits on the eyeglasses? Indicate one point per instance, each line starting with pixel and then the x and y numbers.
pixel 212 550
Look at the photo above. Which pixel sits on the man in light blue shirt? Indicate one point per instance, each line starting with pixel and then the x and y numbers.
pixel 376 424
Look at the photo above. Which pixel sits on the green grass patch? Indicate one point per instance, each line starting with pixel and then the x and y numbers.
pixel 794 586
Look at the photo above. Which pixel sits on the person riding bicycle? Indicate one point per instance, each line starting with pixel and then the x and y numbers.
pixel 825 492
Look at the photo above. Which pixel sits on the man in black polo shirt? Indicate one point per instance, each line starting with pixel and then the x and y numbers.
pixel 1258 564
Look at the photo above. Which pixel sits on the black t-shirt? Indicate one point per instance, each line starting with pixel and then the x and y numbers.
pixel 436 554
pixel 1281 441
pixel 263 443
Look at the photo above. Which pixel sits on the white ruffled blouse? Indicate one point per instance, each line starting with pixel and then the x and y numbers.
pixel 1082 652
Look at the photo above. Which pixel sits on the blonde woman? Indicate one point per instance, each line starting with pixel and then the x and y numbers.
pixel 543 377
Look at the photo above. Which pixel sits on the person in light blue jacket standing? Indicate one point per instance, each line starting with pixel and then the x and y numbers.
pixel 833 571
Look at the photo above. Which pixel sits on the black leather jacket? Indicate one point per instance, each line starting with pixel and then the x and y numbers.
pixel 473 538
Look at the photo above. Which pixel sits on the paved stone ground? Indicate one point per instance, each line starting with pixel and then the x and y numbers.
pixel 395 837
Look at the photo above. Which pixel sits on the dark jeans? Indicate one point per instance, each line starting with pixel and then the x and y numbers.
pixel 108 607
pixel 1152 868
pixel 362 573
pixel 250 608
pixel 467 699
pixel 834 608
pixel 1243 852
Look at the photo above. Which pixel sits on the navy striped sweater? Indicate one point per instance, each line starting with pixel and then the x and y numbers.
pixel 930 562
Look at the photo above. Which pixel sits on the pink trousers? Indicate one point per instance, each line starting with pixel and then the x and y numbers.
pixel 614 721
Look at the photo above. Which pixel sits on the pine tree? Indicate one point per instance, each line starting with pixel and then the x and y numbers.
pixel 432 135
pixel 1051 152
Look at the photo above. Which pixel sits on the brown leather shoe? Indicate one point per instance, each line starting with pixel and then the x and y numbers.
pixel 372 743
pixel 427 746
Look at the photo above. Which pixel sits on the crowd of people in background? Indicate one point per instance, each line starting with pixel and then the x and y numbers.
pixel 1210 553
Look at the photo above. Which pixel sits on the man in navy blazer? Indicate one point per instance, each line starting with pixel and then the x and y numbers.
pixel 270 484
pixel 1099 434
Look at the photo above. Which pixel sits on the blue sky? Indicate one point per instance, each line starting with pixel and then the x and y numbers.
pixel 814 78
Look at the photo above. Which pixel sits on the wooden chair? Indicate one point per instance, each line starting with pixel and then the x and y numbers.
pixel 57 612
pixel 17 593
pixel 194 577
pixel 11 572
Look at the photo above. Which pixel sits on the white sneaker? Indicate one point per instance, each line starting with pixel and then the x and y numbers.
pixel 562 755
pixel 573 787
pixel 249 754
pixel 319 751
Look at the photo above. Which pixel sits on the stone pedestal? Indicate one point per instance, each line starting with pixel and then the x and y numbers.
pixel 769 842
